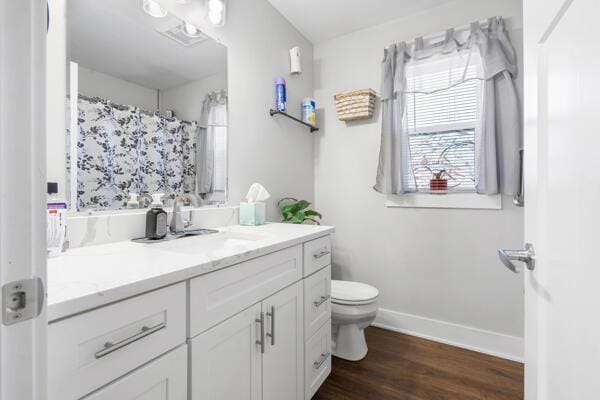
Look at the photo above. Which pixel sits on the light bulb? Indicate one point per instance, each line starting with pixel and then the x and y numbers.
pixel 215 6
pixel 190 30
pixel 215 17
pixel 154 9
pixel 216 12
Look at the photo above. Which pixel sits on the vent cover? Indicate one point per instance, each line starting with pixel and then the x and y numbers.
pixel 174 31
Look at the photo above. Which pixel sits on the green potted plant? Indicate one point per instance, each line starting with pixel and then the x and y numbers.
pixel 296 211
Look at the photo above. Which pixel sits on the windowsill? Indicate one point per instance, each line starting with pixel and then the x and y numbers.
pixel 451 200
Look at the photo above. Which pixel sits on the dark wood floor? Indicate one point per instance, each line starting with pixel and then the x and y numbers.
pixel 402 367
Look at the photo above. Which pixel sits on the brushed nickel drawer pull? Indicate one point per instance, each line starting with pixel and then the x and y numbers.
pixel 319 363
pixel 261 322
pixel 321 301
pixel 110 347
pixel 272 334
pixel 321 254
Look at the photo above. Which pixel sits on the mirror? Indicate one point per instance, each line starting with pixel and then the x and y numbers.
pixel 147 105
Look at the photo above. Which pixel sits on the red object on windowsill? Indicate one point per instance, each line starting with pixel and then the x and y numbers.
pixel 436 185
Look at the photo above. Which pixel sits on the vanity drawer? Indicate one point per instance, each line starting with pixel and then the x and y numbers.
pixel 317 300
pixel 219 295
pixel 317 358
pixel 139 329
pixel 317 254
pixel 162 379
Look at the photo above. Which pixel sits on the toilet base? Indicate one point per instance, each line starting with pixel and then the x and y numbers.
pixel 349 342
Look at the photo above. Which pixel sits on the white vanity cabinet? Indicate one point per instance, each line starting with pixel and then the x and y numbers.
pixel 89 350
pixel 257 354
pixel 256 330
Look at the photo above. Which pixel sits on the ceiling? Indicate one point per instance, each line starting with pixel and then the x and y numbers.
pixel 320 20
pixel 117 38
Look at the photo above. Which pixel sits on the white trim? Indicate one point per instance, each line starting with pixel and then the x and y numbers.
pixel 74 131
pixel 23 363
pixel 450 200
pixel 466 337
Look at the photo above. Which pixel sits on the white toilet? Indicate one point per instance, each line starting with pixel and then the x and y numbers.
pixel 353 308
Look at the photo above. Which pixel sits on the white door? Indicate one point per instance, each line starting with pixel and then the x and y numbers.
pixel 226 359
pixel 22 199
pixel 562 202
pixel 283 366
pixel 162 379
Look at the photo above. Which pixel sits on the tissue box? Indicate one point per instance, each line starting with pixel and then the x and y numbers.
pixel 252 213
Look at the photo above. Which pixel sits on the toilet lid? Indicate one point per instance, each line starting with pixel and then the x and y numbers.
pixel 352 292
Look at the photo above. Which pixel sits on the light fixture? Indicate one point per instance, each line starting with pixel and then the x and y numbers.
pixel 216 12
pixel 190 30
pixel 154 9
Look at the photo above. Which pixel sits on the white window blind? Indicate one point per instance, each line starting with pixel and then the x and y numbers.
pixel 442 118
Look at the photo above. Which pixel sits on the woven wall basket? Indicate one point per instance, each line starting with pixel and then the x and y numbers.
pixel 356 105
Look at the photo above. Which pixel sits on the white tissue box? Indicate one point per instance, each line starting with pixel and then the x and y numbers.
pixel 252 213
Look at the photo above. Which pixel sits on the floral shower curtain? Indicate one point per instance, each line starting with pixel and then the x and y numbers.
pixel 123 149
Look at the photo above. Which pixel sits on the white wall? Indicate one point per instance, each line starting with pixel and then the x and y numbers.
pixel 275 152
pixel 98 84
pixel 436 269
pixel 186 100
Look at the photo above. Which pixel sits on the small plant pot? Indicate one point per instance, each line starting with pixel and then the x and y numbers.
pixel 438 185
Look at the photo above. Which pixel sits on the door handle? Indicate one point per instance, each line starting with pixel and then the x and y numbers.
pixel 526 256
pixel 272 316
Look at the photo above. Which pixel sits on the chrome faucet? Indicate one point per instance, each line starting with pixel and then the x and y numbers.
pixel 142 198
pixel 178 224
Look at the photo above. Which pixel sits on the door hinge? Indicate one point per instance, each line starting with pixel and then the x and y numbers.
pixel 22 300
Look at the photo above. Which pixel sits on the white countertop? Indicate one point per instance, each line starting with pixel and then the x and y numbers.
pixel 88 277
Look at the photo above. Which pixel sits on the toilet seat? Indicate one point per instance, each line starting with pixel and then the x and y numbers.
pixel 352 293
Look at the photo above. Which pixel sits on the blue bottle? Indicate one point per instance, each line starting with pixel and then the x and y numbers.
pixel 280 94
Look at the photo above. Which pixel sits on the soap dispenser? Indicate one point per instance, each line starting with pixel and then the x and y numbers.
pixel 156 219
pixel 133 201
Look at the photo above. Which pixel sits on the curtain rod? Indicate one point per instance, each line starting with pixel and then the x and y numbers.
pixel 123 107
pixel 462 28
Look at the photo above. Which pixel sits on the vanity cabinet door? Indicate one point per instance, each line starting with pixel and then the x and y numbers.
pixel 226 360
pixel 162 379
pixel 283 361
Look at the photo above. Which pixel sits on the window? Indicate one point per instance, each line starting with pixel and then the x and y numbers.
pixel 442 119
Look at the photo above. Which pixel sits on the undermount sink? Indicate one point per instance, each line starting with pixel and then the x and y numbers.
pixel 205 241
pixel 172 236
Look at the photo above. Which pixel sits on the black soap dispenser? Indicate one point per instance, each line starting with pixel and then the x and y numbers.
pixel 156 219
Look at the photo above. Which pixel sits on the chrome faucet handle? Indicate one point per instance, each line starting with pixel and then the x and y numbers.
pixel 144 200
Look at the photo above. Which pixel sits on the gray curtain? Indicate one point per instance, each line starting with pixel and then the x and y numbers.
pixel 498 165
pixel 394 155
pixel 205 156
pixel 205 153
pixel 499 136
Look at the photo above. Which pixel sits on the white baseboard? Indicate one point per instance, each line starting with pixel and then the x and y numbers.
pixel 466 337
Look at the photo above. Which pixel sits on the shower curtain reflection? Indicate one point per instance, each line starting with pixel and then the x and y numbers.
pixel 123 149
